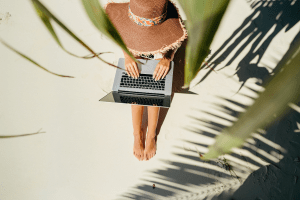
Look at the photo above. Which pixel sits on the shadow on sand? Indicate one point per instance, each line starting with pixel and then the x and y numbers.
pixel 265 22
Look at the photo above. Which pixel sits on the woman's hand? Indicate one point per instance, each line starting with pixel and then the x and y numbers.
pixel 131 67
pixel 161 69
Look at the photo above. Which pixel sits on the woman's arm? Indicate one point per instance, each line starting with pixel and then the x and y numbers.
pixel 160 71
pixel 163 66
pixel 131 66
pixel 125 54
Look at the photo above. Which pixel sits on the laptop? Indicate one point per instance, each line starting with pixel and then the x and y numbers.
pixel 144 90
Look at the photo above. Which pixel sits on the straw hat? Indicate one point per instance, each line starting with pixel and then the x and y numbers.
pixel 147 26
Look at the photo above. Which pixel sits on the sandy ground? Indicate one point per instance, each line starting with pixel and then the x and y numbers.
pixel 84 150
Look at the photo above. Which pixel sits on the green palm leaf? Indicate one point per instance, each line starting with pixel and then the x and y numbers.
pixel 33 61
pixel 203 19
pixel 46 15
pixel 282 89
pixel 101 21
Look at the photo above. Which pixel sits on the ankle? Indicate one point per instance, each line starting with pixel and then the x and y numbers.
pixel 151 134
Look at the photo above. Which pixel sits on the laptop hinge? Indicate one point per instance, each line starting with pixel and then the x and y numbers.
pixel 141 93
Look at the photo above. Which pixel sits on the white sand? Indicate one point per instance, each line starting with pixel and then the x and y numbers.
pixel 86 150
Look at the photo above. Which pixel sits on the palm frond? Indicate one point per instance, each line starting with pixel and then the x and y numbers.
pixel 203 19
pixel 101 21
pixel 45 15
pixel 32 61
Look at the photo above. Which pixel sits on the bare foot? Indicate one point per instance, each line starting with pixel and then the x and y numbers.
pixel 139 145
pixel 150 149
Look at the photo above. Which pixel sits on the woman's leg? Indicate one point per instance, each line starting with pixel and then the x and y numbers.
pixel 150 150
pixel 139 141
pixel 153 113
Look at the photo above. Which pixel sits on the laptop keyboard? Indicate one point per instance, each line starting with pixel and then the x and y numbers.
pixel 144 81
pixel 141 100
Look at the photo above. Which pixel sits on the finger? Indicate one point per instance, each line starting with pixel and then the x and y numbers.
pixel 166 72
pixel 155 71
pixel 160 73
pixel 131 71
pixel 132 67
pixel 157 74
pixel 136 70
pixel 127 70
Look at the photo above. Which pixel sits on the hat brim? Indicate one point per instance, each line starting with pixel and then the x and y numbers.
pixel 147 39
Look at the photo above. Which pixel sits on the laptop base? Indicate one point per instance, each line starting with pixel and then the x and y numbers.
pixel 137 99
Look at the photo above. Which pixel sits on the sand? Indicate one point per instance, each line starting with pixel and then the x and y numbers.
pixel 84 150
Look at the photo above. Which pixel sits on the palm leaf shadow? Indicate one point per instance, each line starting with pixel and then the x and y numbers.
pixel 266 15
pixel 183 174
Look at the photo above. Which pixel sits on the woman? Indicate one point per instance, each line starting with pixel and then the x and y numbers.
pixel 151 30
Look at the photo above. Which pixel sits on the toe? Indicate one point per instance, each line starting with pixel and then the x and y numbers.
pixel 152 154
pixel 136 155
pixel 141 156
